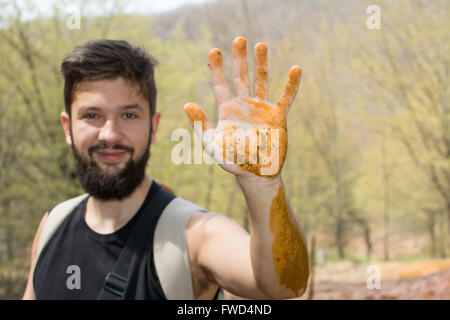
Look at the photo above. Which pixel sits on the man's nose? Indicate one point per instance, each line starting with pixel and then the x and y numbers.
pixel 110 132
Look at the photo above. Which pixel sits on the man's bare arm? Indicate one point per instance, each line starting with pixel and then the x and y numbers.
pixel 278 250
pixel 29 289
pixel 270 263
pixel 273 261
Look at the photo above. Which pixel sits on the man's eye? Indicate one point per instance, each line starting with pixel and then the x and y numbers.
pixel 91 116
pixel 129 115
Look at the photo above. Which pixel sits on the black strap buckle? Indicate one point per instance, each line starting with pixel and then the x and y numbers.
pixel 115 284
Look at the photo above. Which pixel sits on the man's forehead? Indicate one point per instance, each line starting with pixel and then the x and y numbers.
pixel 112 85
pixel 90 107
pixel 118 91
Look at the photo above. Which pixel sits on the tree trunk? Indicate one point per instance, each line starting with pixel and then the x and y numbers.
pixel 340 237
pixel 442 236
pixel 339 223
pixel 385 200
pixel 367 239
pixel 431 223
pixel 312 260
pixel 364 223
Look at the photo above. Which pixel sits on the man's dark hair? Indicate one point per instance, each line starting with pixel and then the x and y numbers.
pixel 108 59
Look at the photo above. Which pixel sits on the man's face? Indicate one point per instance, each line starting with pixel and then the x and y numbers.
pixel 110 134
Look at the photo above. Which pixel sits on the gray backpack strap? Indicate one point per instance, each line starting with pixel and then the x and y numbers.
pixel 170 250
pixel 58 214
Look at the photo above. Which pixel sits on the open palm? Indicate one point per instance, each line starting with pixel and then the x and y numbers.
pixel 251 134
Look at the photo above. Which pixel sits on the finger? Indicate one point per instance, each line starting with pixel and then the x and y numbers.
pixel 290 90
pixel 198 117
pixel 261 71
pixel 220 87
pixel 240 67
pixel 203 130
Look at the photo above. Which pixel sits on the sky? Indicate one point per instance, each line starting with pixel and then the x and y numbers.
pixel 33 8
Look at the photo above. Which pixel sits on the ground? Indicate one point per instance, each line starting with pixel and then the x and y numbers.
pixel 404 280
pixel 429 280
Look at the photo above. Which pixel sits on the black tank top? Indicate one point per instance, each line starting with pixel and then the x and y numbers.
pixel 75 261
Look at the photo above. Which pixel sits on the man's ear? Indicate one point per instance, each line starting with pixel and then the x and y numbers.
pixel 65 121
pixel 155 122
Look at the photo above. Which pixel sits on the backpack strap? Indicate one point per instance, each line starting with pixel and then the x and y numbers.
pixel 116 281
pixel 170 252
pixel 53 220
pixel 57 216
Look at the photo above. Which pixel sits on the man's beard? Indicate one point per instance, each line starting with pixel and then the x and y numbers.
pixel 110 186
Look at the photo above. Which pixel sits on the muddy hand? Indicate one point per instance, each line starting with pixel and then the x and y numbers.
pixel 251 134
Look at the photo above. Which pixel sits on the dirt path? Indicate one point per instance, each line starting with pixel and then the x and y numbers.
pixel 399 280
pixel 431 287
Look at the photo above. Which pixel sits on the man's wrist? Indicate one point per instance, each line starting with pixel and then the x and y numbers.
pixel 258 183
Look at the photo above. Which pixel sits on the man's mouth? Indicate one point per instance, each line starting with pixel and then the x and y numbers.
pixel 111 156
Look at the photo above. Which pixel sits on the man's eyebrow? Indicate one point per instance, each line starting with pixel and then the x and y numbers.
pixel 88 108
pixel 125 107
pixel 133 106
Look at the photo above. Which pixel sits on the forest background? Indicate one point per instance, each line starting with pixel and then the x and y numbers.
pixel 368 166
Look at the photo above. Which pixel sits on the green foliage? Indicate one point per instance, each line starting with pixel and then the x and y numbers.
pixel 368 133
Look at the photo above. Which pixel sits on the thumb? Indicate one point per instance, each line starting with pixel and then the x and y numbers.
pixel 202 128
pixel 197 116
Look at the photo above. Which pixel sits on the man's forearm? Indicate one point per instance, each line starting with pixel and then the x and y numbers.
pixel 278 250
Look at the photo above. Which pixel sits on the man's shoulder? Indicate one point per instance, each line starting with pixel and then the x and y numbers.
pixel 205 225
pixel 181 206
pixel 67 205
pixel 71 201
